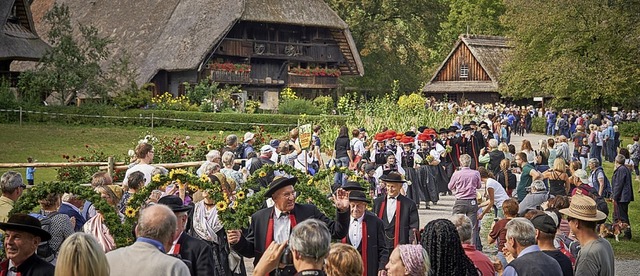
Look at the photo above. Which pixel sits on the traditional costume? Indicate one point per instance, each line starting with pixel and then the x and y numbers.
pixel 398 213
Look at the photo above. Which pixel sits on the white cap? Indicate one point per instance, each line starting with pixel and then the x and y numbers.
pixel 248 136
pixel 265 149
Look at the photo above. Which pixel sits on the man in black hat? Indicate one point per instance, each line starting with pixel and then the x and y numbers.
pixel 366 234
pixel 472 141
pixel 398 213
pixel 274 224
pixel 22 234
pixel 546 227
pixel 197 252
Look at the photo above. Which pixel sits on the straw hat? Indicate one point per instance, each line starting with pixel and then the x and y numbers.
pixel 583 208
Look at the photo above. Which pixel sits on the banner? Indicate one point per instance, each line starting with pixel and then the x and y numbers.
pixel 305 132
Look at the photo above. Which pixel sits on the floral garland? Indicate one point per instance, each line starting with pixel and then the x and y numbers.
pixel 122 233
pixel 252 180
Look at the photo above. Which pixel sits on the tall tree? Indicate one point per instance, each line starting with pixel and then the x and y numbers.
pixel 395 39
pixel 582 52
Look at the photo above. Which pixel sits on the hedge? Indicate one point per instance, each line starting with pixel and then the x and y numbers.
pixel 140 117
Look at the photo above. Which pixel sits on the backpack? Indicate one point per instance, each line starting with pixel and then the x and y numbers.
pixel 240 151
pixel 45 251
pixel 567 246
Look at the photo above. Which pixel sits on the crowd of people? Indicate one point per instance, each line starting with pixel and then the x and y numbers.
pixel 543 200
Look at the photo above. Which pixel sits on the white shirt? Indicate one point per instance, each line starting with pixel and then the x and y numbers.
pixel 391 208
pixel 9 272
pixel 146 169
pixel 357 146
pixel 281 226
pixel 499 194
pixel 355 231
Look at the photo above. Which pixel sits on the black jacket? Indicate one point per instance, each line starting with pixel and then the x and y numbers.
pixel 32 266
pixel 377 252
pixel 199 253
pixel 409 220
pixel 253 244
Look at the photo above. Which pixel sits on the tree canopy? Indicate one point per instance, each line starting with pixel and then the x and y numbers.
pixel 583 53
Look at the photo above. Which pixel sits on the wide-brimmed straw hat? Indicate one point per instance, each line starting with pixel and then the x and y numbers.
pixel 583 208
pixel 26 223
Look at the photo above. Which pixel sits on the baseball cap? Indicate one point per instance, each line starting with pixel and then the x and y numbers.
pixel 544 223
pixel 266 149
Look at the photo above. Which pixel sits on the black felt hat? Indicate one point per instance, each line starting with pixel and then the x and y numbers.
pixel 422 128
pixel 358 196
pixel 452 129
pixel 353 186
pixel 393 177
pixel 278 183
pixel 410 133
pixel 174 203
pixel 466 128
pixel 443 131
pixel 472 123
pixel 25 223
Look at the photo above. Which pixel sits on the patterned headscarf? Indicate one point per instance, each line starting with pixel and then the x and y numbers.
pixel 412 258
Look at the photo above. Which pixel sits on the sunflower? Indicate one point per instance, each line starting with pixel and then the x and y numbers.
pixel 310 182
pixel 204 178
pixel 155 178
pixel 221 206
pixel 240 195
pixel 262 174
pixel 130 212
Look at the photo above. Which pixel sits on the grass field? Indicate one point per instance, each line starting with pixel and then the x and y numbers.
pixel 47 143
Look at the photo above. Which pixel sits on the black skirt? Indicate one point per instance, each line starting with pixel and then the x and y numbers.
pixel 427 182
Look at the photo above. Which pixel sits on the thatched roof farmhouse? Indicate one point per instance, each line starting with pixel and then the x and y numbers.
pixel 259 44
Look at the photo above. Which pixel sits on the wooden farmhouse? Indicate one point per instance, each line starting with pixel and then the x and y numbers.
pixel 262 45
pixel 19 40
pixel 470 71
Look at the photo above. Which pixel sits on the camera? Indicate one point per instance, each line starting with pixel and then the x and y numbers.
pixel 287 257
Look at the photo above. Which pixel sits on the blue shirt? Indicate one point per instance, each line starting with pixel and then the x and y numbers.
pixel 30 172
pixel 509 270
pixel 153 242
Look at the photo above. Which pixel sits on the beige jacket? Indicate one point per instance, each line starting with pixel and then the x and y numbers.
pixel 6 204
pixel 141 259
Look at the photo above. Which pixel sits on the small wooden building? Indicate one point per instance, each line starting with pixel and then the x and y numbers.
pixel 19 40
pixel 262 45
pixel 470 71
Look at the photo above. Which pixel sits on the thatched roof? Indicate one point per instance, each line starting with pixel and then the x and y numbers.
pixel 294 12
pixel 489 51
pixel 178 35
pixel 18 38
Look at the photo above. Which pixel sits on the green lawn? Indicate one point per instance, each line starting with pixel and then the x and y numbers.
pixel 47 143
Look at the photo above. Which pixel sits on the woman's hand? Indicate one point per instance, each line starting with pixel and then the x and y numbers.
pixel 270 259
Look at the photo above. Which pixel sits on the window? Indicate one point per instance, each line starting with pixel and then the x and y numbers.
pixel 464 71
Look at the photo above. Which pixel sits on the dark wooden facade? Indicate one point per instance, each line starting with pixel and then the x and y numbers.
pixel 275 56
pixel 462 56
pixel 470 71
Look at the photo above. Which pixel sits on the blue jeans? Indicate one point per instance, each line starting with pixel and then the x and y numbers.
pixel 340 179
pixel 551 129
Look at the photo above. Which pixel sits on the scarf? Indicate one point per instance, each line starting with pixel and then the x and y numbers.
pixel 206 228
pixel 412 258
pixel 396 230
pixel 364 251
pixel 96 227
pixel 269 237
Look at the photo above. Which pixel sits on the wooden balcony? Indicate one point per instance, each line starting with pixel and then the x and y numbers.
pixel 311 81
pixel 230 76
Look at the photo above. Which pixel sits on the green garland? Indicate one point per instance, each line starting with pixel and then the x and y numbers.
pixel 122 233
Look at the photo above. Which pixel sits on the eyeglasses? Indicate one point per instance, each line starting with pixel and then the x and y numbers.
pixel 23 186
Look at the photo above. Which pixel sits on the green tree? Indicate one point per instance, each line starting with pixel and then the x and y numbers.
pixel 395 39
pixel 583 53
pixel 71 65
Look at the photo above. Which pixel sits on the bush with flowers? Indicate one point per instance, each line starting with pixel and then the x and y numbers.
pixel 166 101
pixel 83 174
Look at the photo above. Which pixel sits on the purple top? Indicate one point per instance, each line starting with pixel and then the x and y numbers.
pixel 465 182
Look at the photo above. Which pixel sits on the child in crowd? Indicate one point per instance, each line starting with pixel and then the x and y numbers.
pixel 30 171
pixel 499 231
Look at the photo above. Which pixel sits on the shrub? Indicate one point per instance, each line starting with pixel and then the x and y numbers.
pixel 629 129
pixel 324 103
pixel 133 97
pixel 166 101
pixel 177 119
pixel 7 98
pixel 251 106
pixel 538 124
pixel 299 106
pixel 287 94
pixel 414 101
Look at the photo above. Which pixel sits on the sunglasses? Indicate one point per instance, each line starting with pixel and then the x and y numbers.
pixel 23 186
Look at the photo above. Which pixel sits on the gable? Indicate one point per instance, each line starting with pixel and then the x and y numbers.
pixel 461 56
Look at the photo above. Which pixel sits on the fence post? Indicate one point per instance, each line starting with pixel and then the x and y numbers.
pixel 152 121
pixel 21 116
pixel 111 165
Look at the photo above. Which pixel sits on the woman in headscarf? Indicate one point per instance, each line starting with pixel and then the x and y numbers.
pixel 408 259
pixel 208 227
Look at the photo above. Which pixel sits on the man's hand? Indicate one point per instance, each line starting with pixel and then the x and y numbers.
pixel 233 236
pixel 270 259
pixel 341 199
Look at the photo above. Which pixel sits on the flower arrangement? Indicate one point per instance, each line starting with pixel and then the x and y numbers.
pixel 122 233
pixel 230 67
pixel 321 72
pixel 448 149
pixel 429 159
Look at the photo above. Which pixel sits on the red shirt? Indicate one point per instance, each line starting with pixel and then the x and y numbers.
pixel 499 232
pixel 480 260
